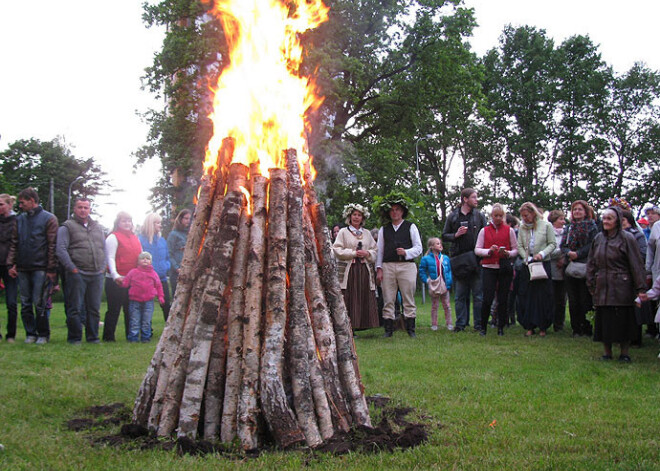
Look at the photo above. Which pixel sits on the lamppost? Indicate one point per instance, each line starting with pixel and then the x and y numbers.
pixel 68 204
pixel 428 136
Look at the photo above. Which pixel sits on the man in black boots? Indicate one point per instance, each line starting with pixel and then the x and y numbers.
pixel 399 244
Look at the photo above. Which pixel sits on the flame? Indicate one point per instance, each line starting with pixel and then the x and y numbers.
pixel 260 99
pixel 247 197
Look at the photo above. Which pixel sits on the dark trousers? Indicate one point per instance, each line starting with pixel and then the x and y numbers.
pixel 117 298
pixel 495 280
pixel 559 290
pixel 33 286
pixel 166 294
pixel 83 297
pixel 579 303
pixel 174 280
pixel 11 300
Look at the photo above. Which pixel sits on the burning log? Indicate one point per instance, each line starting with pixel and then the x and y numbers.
pixel 258 316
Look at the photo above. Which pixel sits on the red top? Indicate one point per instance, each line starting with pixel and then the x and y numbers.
pixel 499 237
pixel 128 249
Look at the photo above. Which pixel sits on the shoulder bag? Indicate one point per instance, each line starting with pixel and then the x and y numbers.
pixel 576 270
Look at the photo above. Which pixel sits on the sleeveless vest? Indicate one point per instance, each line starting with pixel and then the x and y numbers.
pixel 86 245
pixel 128 249
pixel 499 237
pixel 396 239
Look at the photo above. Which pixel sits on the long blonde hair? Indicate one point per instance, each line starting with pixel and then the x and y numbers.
pixel 428 243
pixel 147 229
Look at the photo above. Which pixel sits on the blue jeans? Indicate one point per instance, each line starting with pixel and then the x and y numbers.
pixel 31 285
pixel 140 314
pixel 83 295
pixel 11 297
pixel 462 297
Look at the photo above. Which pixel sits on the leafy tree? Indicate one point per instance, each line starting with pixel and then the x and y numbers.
pixel 33 163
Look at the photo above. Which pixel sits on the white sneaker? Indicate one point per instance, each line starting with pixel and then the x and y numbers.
pixel 30 339
pixel 41 341
pixel 434 327
pixel 450 327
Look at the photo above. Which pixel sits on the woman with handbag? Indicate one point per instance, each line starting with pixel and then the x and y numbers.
pixel 496 245
pixel 536 241
pixel 355 250
pixel 615 275
pixel 435 272
pixel 575 246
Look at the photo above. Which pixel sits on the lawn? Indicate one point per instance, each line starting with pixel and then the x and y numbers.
pixel 509 402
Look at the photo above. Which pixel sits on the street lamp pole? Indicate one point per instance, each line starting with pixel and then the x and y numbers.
pixel 68 204
pixel 428 136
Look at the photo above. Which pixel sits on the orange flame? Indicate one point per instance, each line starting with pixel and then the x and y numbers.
pixel 260 100
pixel 247 197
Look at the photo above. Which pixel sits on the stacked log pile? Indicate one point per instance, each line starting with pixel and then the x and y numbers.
pixel 258 345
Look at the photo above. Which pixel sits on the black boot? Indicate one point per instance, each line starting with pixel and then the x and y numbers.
pixel 389 327
pixel 410 326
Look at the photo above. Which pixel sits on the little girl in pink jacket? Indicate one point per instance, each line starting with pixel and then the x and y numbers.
pixel 143 285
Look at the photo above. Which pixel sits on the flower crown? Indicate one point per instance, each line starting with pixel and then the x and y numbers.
pixel 620 202
pixel 349 208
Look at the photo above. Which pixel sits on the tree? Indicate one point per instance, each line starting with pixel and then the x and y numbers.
pixel 33 163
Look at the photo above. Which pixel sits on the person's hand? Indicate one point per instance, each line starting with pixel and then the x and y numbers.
pixel 572 255
pixel 649 281
pixel 361 253
pixel 643 297
pixel 461 231
pixel 161 301
pixel 119 280
pixel 493 249
pixel 560 262
pixel 379 276
pixel 401 252
pixel 75 271
pixel 538 257
pixel 51 276
pixel 12 271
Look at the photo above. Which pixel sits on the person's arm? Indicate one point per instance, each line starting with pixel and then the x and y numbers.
pixel 449 231
pixel 126 281
pixel 159 288
pixel 111 244
pixel 636 263
pixel 652 247
pixel 51 237
pixel 62 250
pixel 371 248
pixel 592 268
pixel 583 251
pixel 13 245
pixel 479 248
pixel 551 241
pixel 339 247
pixel 423 270
pixel 417 248
pixel 380 245
pixel 513 241
pixel 168 263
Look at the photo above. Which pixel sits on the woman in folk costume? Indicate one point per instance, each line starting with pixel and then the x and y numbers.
pixel 355 250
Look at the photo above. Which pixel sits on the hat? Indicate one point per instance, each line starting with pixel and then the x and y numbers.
pixel 643 221
pixel 653 208
pixel 350 207
pixel 390 200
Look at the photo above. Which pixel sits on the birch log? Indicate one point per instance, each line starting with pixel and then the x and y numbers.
pixel 280 418
pixel 248 405
pixel 234 340
pixel 343 332
pixel 299 328
pixel 214 296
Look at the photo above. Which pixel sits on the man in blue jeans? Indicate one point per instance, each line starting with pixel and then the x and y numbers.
pixel 32 258
pixel 81 251
pixel 461 230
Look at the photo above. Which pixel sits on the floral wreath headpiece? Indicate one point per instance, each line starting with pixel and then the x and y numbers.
pixel 349 208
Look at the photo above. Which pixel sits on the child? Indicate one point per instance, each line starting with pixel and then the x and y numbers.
pixel 430 269
pixel 143 284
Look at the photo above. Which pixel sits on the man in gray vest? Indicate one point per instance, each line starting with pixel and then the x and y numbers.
pixel 32 258
pixel 399 244
pixel 81 251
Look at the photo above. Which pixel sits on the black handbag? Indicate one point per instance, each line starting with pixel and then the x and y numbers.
pixel 464 265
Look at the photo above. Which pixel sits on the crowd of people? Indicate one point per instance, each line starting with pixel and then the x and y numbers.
pixel 37 256
pixel 527 270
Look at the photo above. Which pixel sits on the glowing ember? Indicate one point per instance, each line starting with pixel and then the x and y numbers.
pixel 247 196
pixel 260 100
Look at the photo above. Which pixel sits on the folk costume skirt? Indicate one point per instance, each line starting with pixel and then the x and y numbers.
pixel 535 307
pixel 360 299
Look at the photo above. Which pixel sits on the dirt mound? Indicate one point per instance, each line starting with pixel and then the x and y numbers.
pixel 393 432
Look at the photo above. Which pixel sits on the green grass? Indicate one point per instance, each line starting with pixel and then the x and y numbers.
pixel 556 406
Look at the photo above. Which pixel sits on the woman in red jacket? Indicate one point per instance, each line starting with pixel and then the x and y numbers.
pixel 122 248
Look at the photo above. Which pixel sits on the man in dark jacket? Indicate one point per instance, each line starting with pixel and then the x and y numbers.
pixel 32 258
pixel 461 229
pixel 81 251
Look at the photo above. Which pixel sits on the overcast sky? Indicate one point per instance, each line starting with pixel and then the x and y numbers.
pixel 72 68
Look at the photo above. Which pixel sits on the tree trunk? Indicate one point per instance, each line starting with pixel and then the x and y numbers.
pixel 214 296
pixel 280 418
pixel 248 406
pixel 298 323
pixel 344 335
